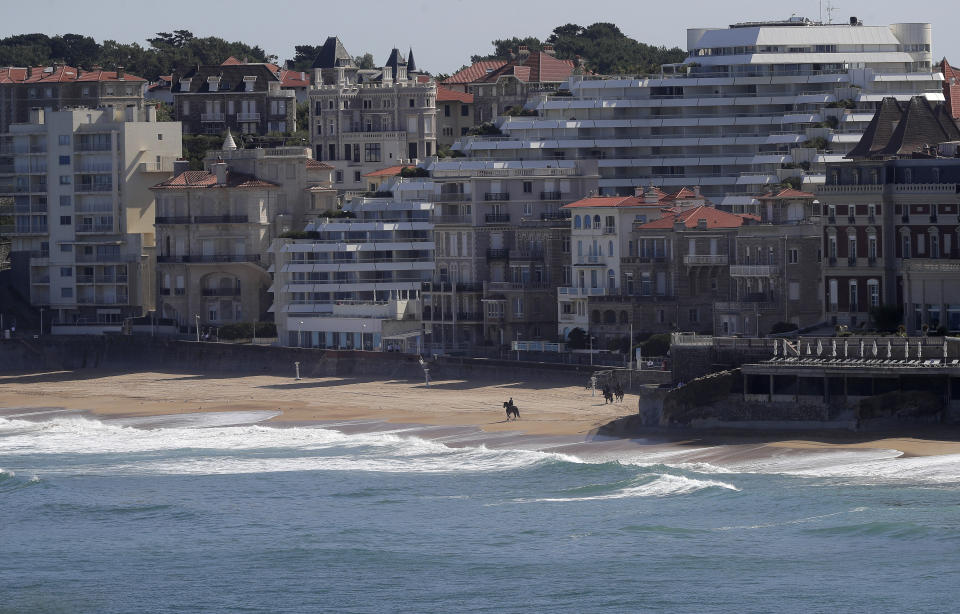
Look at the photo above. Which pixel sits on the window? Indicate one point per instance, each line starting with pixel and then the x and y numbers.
pixel 446 110
pixel 694 316
pixel 934 246
pixel 794 255
pixel 906 249
pixel 872 247
pixel 66 248
pixel 64 160
pixel 528 208
pixel 64 139
pixel 873 288
pixel 65 220
pixel 65 179
pixel 356 176
pixel 65 201
pixel 66 292
pixel 464 110
pixel 185 109
pixel 411 103
pixel 66 271
pixel 853 297
pixel 371 152
pixel 338 176
pixel 794 290
pixel 527 187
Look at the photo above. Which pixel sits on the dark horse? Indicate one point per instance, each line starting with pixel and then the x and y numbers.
pixel 607 395
pixel 511 409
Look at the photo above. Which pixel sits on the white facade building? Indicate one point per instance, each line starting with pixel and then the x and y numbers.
pixel 753 104
pixel 83 233
pixel 355 282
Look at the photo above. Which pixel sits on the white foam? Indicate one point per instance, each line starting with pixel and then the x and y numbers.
pixel 663 485
pixel 227 449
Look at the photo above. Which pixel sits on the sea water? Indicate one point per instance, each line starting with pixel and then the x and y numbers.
pixel 215 514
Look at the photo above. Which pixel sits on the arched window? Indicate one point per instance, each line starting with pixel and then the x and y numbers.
pixel 586 221
pixel 624 318
pixel 609 316
pixel 596 221
pixel 595 316
pixel 576 222
pixel 611 280
pixel 610 248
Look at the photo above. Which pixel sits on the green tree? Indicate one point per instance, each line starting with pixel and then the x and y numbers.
pixel 577 339
pixel 365 61
pixel 886 318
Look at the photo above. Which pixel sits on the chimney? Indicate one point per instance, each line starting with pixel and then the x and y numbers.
pixel 702 223
pixel 120 72
pixel 180 166
pixel 511 55
pixel 678 224
pixel 220 170
pixel 696 191
pixel 151 112
pixel 549 50
pixel 523 52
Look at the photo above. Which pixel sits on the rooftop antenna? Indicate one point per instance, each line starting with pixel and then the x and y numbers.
pixel 830 10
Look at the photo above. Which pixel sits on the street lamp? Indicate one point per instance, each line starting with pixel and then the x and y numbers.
pixel 591 350
pixel 300 334
pixel 197 318
pixel 41 320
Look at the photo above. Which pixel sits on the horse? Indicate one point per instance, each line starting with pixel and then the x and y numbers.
pixel 618 392
pixel 511 409
pixel 607 395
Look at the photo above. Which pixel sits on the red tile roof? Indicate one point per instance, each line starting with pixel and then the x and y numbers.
pixel 107 75
pixel 663 199
pixel 60 74
pixel 311 164
pixel 231 61
pixel 447 95
pixel 474 72
pixel 390 171
pixel 715 219
pixel 12 74
pixel 206 179
pixel 293 78
pixel 539 67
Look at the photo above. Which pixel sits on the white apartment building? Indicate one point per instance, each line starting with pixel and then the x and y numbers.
pixel 753 104
pixel 354 283
pixel 83 234
pixel 362 120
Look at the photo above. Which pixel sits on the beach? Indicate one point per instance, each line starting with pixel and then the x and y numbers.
pixel 568 414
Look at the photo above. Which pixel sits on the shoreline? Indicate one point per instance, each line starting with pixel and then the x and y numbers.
pixel 557 417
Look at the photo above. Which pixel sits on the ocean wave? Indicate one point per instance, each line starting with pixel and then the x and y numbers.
pixel 651 485
pixel 250 449
pixel 10 481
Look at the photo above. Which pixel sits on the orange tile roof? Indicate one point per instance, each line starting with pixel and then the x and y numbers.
pixel 447 95
pixel 107 75
pixel 539 67
pixel 390 171
pixel 231 61
pixel 206 179
pixel 60 74
pixel 293 78
pixel 12 74
pixel 606 201
pixel 474 72
pixel 715 219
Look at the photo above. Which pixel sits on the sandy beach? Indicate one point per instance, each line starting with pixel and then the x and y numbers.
pixel 547 410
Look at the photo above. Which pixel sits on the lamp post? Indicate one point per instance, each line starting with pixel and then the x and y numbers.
pixel 300 334
pixel 41 320
pixel 591 350
pixel 197 318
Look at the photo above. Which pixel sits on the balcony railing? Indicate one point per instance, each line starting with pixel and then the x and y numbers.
pixel 172 219
pixel 497 218
pixel 211 117
pixel 220 292
pixel 705 260
pixel 451 197
pixel 498 254
pixel 29 229
pixel 496 196
pixel 84 279
pixel 752 270
pixel 609 230
pixel 246 117
pixel 551 195
pixel 211 258
pixel 82 146
pixel 220 219
pixel 555 215
pixel 94 187
pixel 94 227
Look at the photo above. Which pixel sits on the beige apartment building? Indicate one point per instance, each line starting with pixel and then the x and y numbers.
pixel 214 228
pixel 83 235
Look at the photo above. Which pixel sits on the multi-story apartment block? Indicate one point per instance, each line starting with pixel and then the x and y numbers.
pixel 454 116
pixel 83 234
pixel 754 104
pixel 500 86
pixel 60 87
pixel 774 267
pixel 361 120
pixel 245 98
pixel 502 248
pixel 609 267
pixel 355 282
pixel 214 228
pixel 890 218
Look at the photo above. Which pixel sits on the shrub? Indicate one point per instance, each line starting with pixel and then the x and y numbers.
pixel 414 171
pixel 656 345
pixel 782 327
pixel 244 330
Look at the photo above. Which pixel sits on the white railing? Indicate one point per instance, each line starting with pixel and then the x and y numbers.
pixel 248 117
pixel 211 117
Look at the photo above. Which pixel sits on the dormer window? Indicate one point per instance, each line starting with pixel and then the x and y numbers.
pixel 184 85
pixel 213 83
pixel 248 83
